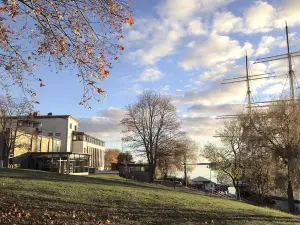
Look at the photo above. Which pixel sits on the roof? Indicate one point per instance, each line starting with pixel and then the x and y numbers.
pixel 45 117
pixel 87 135
pixel 133 164
pixel 55 153
pixel 55 116
pixel 201 179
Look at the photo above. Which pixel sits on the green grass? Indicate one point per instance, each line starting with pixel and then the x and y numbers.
pixel 44 198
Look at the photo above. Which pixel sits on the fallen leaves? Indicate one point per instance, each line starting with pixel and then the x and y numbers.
pixel 38 212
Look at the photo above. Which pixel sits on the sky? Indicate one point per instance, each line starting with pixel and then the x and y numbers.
pixel 185 49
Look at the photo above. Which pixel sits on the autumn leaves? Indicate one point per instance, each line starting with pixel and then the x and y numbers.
pixel 82 36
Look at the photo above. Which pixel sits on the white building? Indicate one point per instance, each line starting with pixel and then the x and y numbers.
pixel 90 145
pixel 60 127
pixel 65 128
pixel 203 183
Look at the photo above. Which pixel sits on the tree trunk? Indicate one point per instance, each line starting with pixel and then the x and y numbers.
pixel 237 189
pixel 185 176
pixel 165 176
pixel 151 173
pixel 290 194
pixel 261 199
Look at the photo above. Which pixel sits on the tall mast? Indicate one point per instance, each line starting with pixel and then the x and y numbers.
pixel 248 85
pixel 291 72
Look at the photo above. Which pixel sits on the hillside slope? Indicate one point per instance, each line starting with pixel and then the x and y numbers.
pixel 45 198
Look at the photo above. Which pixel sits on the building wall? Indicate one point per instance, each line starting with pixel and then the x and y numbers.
pixel 96 153
pixel 72 124
pixel 56 128
pixel 26 143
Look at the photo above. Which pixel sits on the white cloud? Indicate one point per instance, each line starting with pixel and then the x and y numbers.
pixel 179 10
pixel 275 89
pixel 216 49
pixel 225 22
pixel 104 126
pixel 288 11
pixel 212 92
pixel 200 109
pixel 218 72
pixel 161 41
pixel 201 129
pixel 150 75
pixel 267 43
pixel 259 17
pixel 195 27
pixel 216 94
pixel 162 36
pixel 134 35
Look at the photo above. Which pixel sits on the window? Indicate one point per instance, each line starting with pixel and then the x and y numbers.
pixel 39 145
pixel 57 134
pixel 75 128
pixel 70 125
pixel 48 147
pixel 50 134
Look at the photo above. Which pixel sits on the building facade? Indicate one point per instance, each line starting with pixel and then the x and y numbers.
pixel 83 143
pixel 26 143
pixel 60 127
pixel 65 128
pixel 51 129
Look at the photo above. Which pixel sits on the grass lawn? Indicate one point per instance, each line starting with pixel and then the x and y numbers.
pixel 35 197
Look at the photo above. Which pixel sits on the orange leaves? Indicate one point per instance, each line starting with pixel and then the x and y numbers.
pixel 105 73
pixel 3 8
pixel 71 42
pixel 62 41
pixel 130 19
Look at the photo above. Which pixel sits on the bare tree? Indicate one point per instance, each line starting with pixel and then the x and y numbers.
pixel 279 128
pixel 12 112
pixel 151 124
pixel 229 158
pixel 125 157
pixel 176 154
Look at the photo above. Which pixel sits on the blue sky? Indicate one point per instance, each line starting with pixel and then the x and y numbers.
pixel 184 49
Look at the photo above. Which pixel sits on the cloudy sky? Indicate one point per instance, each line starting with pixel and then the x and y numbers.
pixel 185 48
